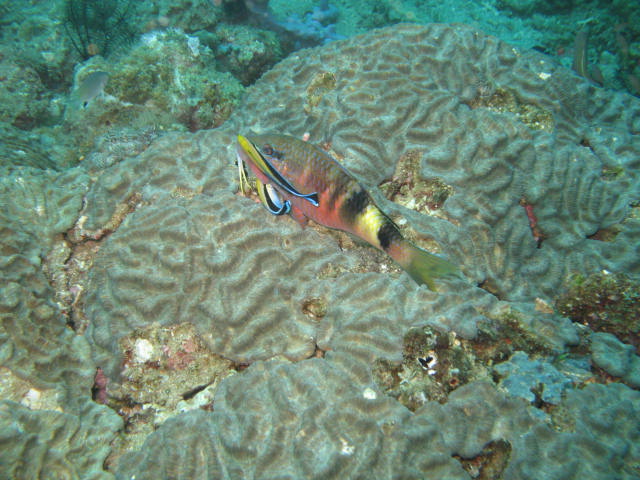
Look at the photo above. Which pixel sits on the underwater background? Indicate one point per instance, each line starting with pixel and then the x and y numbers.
pixel 156 322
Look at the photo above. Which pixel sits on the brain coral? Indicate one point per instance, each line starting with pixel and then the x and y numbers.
pixel 540 169
pixel 37 206
pixel 37 346
pixel 191 252
pixel 504 128
pixel 50 444
pixel 308 421
pixel 284 420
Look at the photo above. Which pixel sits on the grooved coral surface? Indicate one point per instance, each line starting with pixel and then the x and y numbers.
pixel 65 435
pixel 304 420
pixel 50 444
pixel 288 421
pixel 414 90
pixel 40 204
pixel 195 251
pixel 527 150
pixel 602 417
pixel 582 444
pixel 35 208
pixel 203 260
pixel 372 100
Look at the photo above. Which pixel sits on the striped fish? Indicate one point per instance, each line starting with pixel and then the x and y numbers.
pixel 297 178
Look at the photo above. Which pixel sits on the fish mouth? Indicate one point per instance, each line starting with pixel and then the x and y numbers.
pixel 242 155
pixel 269 196
pixel 250 153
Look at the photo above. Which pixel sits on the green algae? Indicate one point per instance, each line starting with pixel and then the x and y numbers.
pixel 504 100
pixel 245 52
pixel 171 75
pixel 606 302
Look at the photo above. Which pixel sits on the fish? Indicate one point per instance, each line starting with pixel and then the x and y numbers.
pixel 297 178
pixel 89 88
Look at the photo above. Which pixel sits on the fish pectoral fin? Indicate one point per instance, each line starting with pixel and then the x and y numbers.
pixel 299 217
pixel 271 172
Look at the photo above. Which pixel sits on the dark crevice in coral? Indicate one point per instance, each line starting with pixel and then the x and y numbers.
pixel 69 261
pixel 584 142
pixel 240 366
pixel 318 352
pixel 194 391
pixel 489 286
pixel 538 392
pixel 538 235
pixel 99 388
pixel 605 234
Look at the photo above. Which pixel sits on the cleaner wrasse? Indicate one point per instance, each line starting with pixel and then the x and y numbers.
pixel 297 178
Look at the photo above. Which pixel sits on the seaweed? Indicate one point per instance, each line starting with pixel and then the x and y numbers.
pixel 98 26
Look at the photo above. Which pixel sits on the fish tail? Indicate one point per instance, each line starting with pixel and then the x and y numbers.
pixel 422 266
pixel 376 228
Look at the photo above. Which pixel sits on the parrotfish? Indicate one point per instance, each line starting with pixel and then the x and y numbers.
pixel 297 178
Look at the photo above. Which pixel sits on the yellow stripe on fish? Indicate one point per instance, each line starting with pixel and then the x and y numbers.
pixel 285 167
pixel 372 221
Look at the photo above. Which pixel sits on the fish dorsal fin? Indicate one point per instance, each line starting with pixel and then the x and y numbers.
pixel 271 172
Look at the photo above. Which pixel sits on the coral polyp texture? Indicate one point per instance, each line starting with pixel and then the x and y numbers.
pixel 415 91
pixel 302 420
pixel 156 264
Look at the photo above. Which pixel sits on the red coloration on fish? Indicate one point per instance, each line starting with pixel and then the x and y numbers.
pixel 342 203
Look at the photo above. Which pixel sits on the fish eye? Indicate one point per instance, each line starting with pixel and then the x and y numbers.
pixel 267 149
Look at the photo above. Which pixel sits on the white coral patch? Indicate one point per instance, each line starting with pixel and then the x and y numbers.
pixel 369 394
pixel 143 350
pixel 347 448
